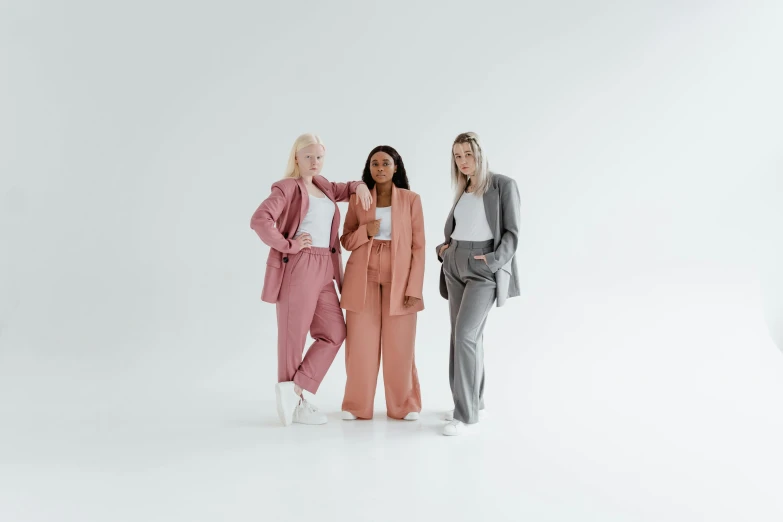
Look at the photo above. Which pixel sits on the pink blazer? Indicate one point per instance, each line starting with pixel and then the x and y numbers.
pixel 277 219
pixel 407 252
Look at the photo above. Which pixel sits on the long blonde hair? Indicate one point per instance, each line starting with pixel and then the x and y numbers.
pixel 305 140
pixel 482 178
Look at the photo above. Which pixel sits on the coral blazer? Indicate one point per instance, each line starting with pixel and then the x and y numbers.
pixel 278 217
pixel 407 252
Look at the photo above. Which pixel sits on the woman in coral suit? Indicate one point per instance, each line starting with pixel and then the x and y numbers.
pixel 382 291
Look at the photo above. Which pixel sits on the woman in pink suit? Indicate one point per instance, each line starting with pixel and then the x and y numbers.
pixel 382 291
pixel 299 221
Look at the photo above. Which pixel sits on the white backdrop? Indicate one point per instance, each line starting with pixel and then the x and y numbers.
pixel 637 376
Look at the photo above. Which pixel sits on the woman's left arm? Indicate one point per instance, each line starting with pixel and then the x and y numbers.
pixel 342 192
pixel 416 278
pixel 509 204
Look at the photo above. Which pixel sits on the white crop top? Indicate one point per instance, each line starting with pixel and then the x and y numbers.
pixel 318 221
pixel 471 219
pixel 384 214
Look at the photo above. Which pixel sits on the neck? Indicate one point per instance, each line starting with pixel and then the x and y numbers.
pixel 308 180
pixel 383 189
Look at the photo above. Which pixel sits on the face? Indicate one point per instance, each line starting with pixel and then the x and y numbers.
pixel 463 157
pixel 310 160
pixel 382 167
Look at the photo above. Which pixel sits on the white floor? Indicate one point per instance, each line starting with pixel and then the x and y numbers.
pixel 602 422
pixel 203 459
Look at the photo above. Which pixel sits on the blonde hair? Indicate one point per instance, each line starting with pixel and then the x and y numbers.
pixel 482 177
pixel 305 140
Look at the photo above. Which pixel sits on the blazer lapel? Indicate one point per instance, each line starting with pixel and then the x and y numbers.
pixel 370 213
pixel 395 207
pixel 396 227
pixel 305 199
pixel 318 181
pixel 491 207
pixel 450 220
pixel 321 183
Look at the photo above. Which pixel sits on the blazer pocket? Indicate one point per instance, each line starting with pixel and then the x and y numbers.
pixel 273 261
pixel 294 269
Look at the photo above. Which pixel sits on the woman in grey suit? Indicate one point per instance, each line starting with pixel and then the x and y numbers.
pixel 479 269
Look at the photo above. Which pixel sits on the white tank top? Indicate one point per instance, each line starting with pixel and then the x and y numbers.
pixel 384 214
pixel 471 219
pixel 318 221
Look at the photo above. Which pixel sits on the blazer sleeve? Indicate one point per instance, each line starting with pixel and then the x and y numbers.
pixel 342 192
pixel 354 235
pixel 416 277
pixel 265 217
pixel 510 208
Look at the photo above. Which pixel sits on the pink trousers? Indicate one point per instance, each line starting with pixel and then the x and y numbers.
pixel 374 332
pixel 308 301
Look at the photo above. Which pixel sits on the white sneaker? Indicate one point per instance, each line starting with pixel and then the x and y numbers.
pixel 450 415
pixel 454 427
pixel 287 399
pixel 306 413
pixel 412 416
pixel 347 415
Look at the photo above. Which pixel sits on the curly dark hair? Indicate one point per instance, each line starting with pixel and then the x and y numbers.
pixel 400 178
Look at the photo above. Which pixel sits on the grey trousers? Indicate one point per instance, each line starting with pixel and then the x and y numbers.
pixel 471 288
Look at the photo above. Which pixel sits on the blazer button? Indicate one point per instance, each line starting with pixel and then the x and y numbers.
pixel 285 235
pixel 333 251
pixel 285 260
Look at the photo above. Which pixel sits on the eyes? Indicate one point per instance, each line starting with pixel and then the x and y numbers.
pixel 467 154
pixel 308 156
pixel 385 164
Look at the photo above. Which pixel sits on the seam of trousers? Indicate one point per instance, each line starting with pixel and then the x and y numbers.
pixel 299 369
pixel 476 378
pixel 485 314
pixel 287 325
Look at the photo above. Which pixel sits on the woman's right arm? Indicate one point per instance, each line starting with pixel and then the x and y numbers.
pixel 439 250
pixel 354 235
pixel 265 217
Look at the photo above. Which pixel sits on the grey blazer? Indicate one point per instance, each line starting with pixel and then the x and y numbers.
pixel 502 204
